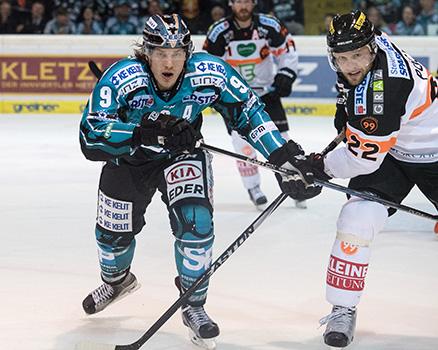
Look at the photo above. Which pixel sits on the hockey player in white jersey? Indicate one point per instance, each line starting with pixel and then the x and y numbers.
pixel 143 119
pixel 389 109
pixel 261 49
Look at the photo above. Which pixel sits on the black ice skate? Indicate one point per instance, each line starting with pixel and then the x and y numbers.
pixel 341 324
pixel 202 329
pixel 106 294
pixel 257 197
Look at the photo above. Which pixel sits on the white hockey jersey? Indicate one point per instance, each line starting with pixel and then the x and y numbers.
pixel 393 110
pixel 256 52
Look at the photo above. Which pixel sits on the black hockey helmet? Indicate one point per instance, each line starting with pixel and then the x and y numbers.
pixel 167 31
pixel 350 31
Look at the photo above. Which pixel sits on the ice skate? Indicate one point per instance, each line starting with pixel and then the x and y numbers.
pixel 202 329
pixel 301 204
pixel 257 197
pixel 341 324
pixel 106 294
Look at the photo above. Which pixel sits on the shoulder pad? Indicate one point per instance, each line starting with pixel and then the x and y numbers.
pixel 217 29
pixel 124 71
pixel 270 21
pixel 397 65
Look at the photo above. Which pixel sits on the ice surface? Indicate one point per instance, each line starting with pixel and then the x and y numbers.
pixel 268 296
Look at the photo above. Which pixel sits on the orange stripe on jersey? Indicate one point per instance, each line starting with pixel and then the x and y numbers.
pixel 365 144
pixel 279 51
pixel 235 63
pixel 417 111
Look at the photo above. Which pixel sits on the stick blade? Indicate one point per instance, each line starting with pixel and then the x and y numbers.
pixel 86 345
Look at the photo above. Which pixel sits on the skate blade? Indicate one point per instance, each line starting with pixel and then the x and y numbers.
pixel 209 344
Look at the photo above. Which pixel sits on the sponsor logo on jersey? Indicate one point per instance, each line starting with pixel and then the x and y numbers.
pixel 377 96
pixel 369 124
pixel 378 85
pixel 396 64
pixel 207 81
pixel 126 73
pixel 347 275
pixel 246 50
pixel 360 97
pixel 261 130
pixel 213 35
pixel 201 97
pixel 270 22
pixel 378 74
pixel 184 180
pixel 378 109
pixel 141 101
pixel 211 67
pixel 134 84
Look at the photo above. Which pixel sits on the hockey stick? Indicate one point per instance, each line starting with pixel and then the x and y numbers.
pixel 207 274
pixel 201 279
pixel 333 186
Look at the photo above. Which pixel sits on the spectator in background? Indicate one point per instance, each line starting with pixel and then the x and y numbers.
pixel 191 13
pixel 89 25
pixel 428 15
pixel 376 18
pixel 408 24
pixel 122 22
pixel 61 24
pixel 73 8
pixel 388 9
pixel 8 23
pixel 36 23
pixel 153 7
pixel 291 13
pixel 21 9
pixel 217 12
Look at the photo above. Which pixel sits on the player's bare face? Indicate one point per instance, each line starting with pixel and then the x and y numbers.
pixel 166 65
pixel 243 9
pixel 354 65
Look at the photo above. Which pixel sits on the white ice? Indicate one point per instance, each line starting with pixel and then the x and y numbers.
pixel 268 296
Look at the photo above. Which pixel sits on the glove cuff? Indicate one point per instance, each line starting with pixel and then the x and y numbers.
pixel 288 72
pixel 285 153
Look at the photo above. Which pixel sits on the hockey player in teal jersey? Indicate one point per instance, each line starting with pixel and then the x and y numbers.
pixel 143 119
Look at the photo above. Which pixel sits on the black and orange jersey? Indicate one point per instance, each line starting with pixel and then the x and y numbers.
pixel 393 110
pixel 256 52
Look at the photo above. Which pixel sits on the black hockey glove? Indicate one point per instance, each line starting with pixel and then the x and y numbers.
pixel 173 133
pixel 316 162
pixel 291 156
pixel 283 81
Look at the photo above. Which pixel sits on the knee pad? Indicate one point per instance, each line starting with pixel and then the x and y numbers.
pixel 115 255
pixel 360 220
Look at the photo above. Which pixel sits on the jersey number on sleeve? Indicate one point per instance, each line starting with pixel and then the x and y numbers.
pixel 369 149
pixel 105 95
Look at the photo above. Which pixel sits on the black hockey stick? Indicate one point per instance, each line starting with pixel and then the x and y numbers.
pixel 333 186
pixel 183 298
pixel 95 69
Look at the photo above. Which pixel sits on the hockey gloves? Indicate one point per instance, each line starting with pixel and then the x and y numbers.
pixel 173 133
pixel 291 156
pixel 316 162
pixel 283 81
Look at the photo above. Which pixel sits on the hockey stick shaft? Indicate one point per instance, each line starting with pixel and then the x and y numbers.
pixel 333 186
pixel 206 275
